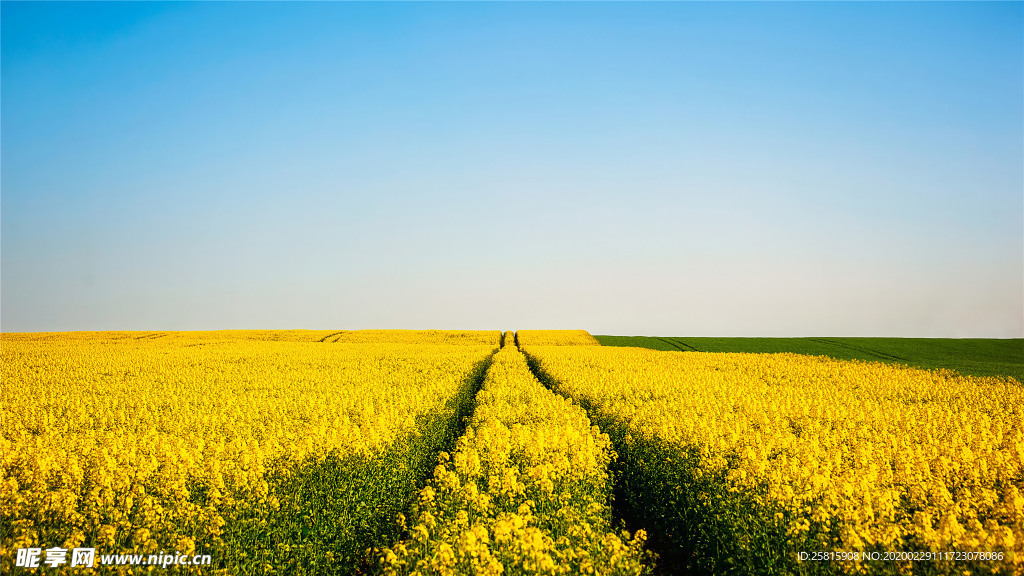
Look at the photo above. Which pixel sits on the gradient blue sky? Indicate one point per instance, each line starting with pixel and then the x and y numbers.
pixel 746 169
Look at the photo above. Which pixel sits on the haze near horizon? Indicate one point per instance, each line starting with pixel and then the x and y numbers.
pixel 691 169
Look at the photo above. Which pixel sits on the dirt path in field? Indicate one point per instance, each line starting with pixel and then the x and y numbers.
pixel 677 345
pixel 864 349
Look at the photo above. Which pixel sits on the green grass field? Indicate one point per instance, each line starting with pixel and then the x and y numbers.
pixel 975 356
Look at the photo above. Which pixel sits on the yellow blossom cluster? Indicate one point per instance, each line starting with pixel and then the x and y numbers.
pixel 556 338
pixel 526 491
pixel 153 443
pixel 852 456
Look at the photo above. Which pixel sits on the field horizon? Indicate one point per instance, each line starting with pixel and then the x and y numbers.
pixel 972 356
pixel 969 356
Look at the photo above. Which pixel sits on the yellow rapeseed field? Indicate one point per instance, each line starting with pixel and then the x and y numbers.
pixel 527 491
pixel 150 441
pixel 556 338
pixel 450 337
pixel 839 456
pixel 296 450
pixel 186 337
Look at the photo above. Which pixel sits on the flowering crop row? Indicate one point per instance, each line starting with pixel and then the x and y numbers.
pixel 526 491
pixel 449 337
pixel 556 338
pixel 265 454
pixel 737 462
pixel 186 337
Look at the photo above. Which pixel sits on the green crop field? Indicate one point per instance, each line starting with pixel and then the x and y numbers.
pixel 975 356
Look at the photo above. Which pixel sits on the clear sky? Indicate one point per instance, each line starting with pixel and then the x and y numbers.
pixel 743 169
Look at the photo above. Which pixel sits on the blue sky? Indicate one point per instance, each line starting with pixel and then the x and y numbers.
pixel 746 169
